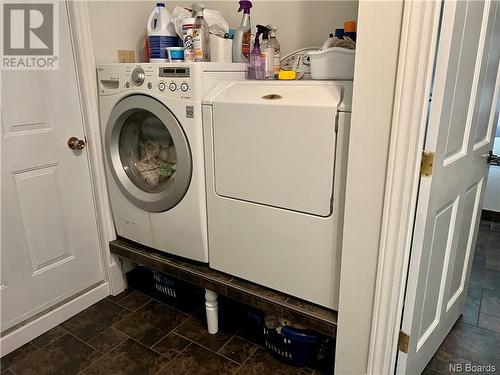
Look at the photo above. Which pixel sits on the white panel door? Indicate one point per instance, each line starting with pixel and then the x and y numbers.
pixel 460 131
pixel 50 248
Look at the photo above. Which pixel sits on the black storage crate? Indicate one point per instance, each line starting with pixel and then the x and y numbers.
pixel 164 284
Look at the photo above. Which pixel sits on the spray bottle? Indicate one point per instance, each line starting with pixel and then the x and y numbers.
pixel 201 34
pixel 273 42
pixel 267 52
pixel 256 66
pixel 242 36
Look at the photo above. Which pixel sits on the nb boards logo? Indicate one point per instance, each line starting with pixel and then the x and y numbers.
pixel 30 35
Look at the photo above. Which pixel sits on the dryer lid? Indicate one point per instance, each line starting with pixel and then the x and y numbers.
pixel 314 93
pixel 274 144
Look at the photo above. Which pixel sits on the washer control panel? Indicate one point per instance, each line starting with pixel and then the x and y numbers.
pixel 170 79
pixel 174 72
pixel 174 79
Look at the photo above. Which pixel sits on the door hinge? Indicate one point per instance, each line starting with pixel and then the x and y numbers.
pixel 403 342
pixel 427 163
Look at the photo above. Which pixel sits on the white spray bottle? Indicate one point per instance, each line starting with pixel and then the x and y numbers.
pixel 201 35
pixel 243 36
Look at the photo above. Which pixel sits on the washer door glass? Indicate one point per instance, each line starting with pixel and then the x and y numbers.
pixel 148 153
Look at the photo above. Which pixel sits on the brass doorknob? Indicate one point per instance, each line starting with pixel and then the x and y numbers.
pixel 76 144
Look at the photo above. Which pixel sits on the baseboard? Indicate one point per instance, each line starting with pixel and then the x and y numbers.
pixel 490 215
pixel 35 328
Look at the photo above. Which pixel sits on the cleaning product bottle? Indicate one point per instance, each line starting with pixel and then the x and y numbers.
pixel 161 34
pixel 350 29
pixel 201 34
pixel 339 33
pixel 187 39
pixel 242 36
pixel 273 42
pixel 255 67
pixel 266 52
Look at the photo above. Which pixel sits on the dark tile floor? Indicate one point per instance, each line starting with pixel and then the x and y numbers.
pixel 475 338
pixel 141 332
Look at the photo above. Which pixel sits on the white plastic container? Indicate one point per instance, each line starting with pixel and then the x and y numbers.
pixel 161 34
pixel 221 50
pixel 332 63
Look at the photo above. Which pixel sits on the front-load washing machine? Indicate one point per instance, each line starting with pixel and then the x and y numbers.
pixel 276 155
pixel 151 126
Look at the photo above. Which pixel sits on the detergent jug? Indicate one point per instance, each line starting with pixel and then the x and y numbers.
pixel 161 34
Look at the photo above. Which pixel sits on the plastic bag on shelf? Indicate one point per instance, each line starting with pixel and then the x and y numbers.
pixel 216 22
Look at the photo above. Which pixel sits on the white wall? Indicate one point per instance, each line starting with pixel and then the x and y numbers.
pixel 122 24
pixel 373 97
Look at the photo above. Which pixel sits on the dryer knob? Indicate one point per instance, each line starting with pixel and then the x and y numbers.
pixel 138 76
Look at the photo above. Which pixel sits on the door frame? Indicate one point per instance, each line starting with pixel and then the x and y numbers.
pixel 374 90
pixel 415 73
pixel 81 35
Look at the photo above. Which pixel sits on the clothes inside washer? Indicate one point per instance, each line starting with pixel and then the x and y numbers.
pixel 147 152
pixel 155 165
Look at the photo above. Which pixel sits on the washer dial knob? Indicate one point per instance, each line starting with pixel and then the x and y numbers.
pixel 138 76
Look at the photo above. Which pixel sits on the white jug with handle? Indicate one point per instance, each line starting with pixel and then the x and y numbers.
pixel 161 34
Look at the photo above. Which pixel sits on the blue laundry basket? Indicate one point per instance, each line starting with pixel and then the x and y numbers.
pixel 295 346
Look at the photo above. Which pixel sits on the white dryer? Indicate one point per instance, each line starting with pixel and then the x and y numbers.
pixel 276 155
pixel 151 126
